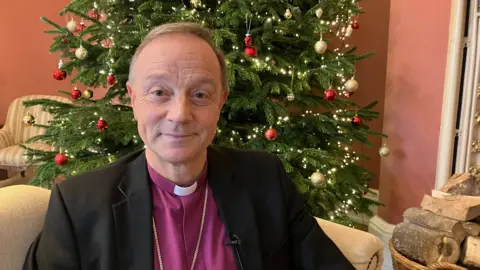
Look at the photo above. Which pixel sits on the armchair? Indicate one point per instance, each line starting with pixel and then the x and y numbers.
pixel 15 132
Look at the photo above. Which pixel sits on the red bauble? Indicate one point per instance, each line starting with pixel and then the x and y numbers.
pixel 59 74
pixel 330 95
pixel 60 159
pixel 76 94
pixel 111 79
pixel 356 121
pixel 80 27
pixel 92 13
pixel 65 40
pixel 102 124
pixel 271 134
pixel 355 25
pixel 248 40
pixel 250 51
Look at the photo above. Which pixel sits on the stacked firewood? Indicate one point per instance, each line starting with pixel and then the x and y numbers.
pixel 446 227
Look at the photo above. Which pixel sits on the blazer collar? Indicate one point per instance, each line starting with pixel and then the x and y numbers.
pixel 133 215
pixel 235 207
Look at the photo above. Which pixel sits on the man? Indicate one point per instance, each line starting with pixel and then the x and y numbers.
pixel 181 203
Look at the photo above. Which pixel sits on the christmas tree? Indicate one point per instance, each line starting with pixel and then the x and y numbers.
pixel 291 75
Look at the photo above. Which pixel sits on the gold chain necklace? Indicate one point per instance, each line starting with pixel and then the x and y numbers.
pixel 160 261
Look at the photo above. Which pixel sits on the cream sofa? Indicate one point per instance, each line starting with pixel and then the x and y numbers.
pixel 22 210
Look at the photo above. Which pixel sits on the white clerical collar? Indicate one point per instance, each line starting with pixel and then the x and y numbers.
pixel 185 191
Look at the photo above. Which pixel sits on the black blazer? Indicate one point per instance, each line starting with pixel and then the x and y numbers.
pixel 101 220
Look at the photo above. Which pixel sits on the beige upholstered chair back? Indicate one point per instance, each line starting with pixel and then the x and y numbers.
pixel 16 111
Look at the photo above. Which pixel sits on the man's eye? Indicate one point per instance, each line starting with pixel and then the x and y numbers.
pixel 200 95
pixel 159 93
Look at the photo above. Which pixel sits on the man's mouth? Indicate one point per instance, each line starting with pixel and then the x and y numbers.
pixel 177 135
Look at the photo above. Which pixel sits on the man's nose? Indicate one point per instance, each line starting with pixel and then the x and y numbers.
pixel 180 110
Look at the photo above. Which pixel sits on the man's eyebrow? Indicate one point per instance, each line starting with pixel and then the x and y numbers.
pixel 155 77
pixel 152 78
pixel 201 80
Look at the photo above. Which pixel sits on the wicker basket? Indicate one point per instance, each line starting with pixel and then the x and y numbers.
pixel 402 263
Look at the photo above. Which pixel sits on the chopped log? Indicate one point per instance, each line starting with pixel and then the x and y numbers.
pixel 460 184
pixel 429 220
pixel 463 208
pixel 471 228
pixel 471 252
pixel 424 245
pixel 440 194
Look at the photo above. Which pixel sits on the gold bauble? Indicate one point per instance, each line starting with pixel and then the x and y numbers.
pixel 288 14
pixel 28 119
pixel 88 94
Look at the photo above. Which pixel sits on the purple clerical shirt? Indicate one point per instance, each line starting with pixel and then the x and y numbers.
pixel 178 214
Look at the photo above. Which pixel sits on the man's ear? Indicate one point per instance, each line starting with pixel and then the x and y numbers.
pixel 132 95
pixel 223 98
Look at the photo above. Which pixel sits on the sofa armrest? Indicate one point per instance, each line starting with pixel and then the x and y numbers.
pixel 22 212
pixel 5 139
pixel 362 249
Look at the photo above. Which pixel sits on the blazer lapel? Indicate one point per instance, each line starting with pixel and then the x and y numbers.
pixel 133 218
pixel 235 207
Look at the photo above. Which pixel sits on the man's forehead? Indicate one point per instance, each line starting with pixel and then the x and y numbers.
pixel 179 46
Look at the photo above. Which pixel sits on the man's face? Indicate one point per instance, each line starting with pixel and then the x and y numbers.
pixel 177 96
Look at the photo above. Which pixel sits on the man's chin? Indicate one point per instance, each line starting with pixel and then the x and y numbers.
pixel 176 155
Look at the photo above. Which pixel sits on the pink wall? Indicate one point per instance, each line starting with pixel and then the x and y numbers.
pixel 417 51
pixel 371 72
pixel 27 65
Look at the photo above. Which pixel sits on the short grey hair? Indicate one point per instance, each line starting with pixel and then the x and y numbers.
pixel 182 28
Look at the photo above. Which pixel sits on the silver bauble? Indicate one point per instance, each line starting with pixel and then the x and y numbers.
pixel 317 178
pixel 384 151
pixel 72 26
pixel 320 47
pixel 351 85
pixel 81 53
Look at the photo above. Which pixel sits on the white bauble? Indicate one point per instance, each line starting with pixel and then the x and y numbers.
pixel 384 151
pixel 351 85
pixel 317 178
pixel 81 53
pixel 320 46
pixel 72 26
pixel 319 12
